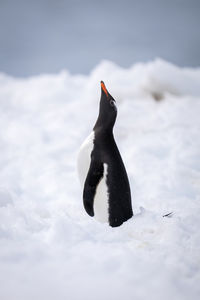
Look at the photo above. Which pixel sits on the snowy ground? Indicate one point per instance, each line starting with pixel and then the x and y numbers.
pixel 49 247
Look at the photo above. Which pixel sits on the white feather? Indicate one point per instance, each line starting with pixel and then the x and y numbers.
pixel 101 199
pixel 84 157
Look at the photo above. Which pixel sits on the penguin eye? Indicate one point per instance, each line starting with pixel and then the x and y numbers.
pixel 112 103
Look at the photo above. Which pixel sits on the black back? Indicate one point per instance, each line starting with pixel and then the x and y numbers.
pixel 106 151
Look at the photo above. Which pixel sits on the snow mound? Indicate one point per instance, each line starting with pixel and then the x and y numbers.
pixel 49 247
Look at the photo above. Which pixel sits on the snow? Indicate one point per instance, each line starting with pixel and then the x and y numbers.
pixel 49 247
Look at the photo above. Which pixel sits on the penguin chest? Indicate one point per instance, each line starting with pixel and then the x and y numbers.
pixel 101 199
pixel 84 157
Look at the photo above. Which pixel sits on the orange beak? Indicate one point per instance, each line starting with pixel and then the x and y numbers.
pixel 104 88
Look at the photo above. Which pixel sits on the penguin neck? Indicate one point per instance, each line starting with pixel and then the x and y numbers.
pixel 103 127
pixel 103 131
pixel 105 122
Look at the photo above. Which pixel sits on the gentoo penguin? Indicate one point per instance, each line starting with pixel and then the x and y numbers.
pixel 106 190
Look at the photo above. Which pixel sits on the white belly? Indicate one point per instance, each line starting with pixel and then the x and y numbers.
pixel 84 157
pixel 101 196
pixel 101 199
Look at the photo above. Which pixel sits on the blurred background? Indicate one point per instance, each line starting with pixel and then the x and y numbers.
pixel 45 36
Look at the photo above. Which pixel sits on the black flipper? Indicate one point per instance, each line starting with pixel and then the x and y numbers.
pixel 94 175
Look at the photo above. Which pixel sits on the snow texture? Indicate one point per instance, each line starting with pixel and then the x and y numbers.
pixel 49 247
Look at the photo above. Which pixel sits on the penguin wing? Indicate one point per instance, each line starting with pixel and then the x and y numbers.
pixel 93 178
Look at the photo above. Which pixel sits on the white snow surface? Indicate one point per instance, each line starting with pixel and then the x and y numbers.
pixel 49 247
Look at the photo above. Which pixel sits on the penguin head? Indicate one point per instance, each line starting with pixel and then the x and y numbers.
pixel 107 110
